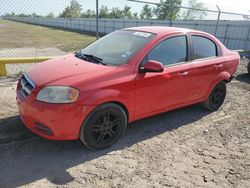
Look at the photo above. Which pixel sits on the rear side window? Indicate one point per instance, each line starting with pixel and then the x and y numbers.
pixel 169 51
pixel 203 47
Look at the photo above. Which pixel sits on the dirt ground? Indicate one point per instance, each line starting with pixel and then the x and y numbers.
pixel 189 147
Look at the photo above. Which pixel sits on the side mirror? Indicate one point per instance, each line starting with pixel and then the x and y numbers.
pixel 152 66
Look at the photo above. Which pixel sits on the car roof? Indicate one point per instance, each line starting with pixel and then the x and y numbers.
pixel 162 29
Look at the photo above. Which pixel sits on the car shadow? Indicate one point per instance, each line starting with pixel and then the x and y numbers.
pixel 245 77
pixel 27 162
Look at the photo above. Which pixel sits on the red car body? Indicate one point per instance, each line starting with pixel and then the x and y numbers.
pixel 139 94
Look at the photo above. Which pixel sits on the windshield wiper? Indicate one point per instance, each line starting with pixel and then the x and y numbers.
pixel 80 56
pixel 95 58
pixel 89 57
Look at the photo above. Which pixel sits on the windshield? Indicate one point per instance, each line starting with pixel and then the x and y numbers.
pixel 118 47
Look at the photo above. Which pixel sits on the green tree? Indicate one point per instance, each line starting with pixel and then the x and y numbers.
pixel 8 14
pixel 147 12
pixel 104 12
pixel 50 15
pixel 191 14
pixel 88 14
pixel 72 11
pixel 23 15
pixel 34 15
pixel 127 12
pixel 116 13
pixel 167 9
pixel 135 15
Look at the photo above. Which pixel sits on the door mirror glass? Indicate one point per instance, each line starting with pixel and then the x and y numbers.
pixel 152 66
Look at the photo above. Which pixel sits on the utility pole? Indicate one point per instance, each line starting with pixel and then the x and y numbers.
pixel 218 19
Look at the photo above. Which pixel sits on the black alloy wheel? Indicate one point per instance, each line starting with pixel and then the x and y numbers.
pixel 216 97
pixel 104 126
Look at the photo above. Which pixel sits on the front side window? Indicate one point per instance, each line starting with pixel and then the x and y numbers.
pixel 118 47
pixel 170 51
pixel 203 47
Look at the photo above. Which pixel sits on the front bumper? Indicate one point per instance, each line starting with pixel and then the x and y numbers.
pixel 52 121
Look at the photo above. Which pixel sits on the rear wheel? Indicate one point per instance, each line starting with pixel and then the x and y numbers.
pixel 104 126
pixel 216 97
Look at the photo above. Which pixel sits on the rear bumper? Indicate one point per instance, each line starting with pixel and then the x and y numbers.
pixel 52 121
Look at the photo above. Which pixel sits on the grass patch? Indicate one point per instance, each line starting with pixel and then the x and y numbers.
pixel 19 35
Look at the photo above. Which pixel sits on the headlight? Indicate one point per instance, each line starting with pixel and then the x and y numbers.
pixel 58 94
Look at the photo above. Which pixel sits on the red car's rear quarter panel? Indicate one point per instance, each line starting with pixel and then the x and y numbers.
pixel 232 62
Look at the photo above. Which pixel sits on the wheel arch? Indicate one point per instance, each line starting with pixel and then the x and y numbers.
pixel 84 131
pixel 123 106
pixel 223 76
pixel 119 103
pixel 109 96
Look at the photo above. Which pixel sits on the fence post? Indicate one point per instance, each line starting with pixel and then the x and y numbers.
pixel 218 19
pixel 228 38
pixel 225 38
pixel 171 13
pixel 195 26
pixel 97 16
pixel 104 25
pixel 245 45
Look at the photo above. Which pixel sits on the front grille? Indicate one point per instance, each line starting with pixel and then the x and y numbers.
pixel 26 85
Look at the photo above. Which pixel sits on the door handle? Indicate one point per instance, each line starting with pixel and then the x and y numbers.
pixel 183 73
pixel 218 66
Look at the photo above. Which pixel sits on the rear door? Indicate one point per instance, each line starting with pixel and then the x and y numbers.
pixel 207 64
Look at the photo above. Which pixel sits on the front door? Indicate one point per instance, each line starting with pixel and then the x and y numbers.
pixel 157 92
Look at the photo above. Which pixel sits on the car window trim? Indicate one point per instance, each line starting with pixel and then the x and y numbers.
pixel 188 58
pixel 192 47
pixel 179 63
pixel 206 58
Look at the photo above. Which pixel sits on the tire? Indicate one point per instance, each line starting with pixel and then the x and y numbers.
pixel 216 97
pixel 103 126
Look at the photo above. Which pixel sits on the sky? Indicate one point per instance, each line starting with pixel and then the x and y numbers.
pixel 43 7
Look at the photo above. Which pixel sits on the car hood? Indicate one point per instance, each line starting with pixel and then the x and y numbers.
pixel 65 68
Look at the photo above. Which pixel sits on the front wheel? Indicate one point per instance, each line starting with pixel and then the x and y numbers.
pixel 104 126
pixel 216 97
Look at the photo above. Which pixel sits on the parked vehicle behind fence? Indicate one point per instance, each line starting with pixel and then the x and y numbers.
pixel 126 75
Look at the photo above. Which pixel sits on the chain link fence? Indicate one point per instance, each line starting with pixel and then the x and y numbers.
pixel 53 28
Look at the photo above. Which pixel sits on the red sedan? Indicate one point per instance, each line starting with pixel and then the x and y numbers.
pixel 127 75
